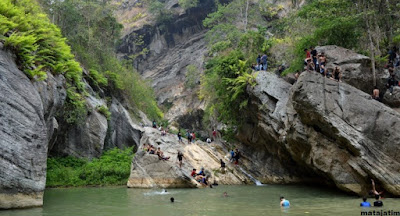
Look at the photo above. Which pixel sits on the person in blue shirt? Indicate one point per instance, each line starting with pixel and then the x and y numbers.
pixel 365 203
pixel 232 155
pixel 284 202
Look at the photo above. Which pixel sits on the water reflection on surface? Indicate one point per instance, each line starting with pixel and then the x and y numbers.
pixel 241 201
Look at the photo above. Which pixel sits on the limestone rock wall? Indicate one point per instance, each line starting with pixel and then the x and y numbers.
pixel 330 130
pixel 26 126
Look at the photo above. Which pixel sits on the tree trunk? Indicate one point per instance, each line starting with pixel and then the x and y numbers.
pixel 371 43
pixel 246 15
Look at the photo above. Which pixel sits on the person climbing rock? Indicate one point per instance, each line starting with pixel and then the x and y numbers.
pixel 180 157
pixel 365 203
pixel 284 202
pixel 223 166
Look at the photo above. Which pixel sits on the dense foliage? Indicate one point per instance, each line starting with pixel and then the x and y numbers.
pixel 40 48
pixel 93 33
pixel 112 168
pixel 232 50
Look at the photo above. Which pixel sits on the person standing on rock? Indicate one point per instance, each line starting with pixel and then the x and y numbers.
pixel 232 156
pixel 322 62
pixel 180 137
pixel 154 124
pixel 392 82
pixel 193 137
pixel 314 54
pixel 189 137
pixel 214 133
pixel 237 156
pixel 180 157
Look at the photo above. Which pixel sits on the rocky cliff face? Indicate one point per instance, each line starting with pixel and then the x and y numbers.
pixel 330 130
pixel 172 46
pixel 31 127
pixel 27 124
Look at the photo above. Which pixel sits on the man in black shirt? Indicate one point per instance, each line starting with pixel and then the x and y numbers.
pixel 378 203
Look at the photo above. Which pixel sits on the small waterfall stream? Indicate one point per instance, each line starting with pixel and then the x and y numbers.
pixel 258 183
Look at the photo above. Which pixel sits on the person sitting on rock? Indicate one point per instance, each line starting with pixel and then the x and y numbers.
pixel 337 75
pixel 375 94
pixel 365 203
pixel 201 172
pixel 193 174
pixel 208 140
pixel 392 82
pixel 152 150
pixel 154 124
pixel 161 154
pixel 145 147
pixel 309 65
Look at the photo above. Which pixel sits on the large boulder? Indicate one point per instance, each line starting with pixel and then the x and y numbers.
pixel 148 171
pixel 332 131
pixel 355 68
pixel 23 138
pixel 392 100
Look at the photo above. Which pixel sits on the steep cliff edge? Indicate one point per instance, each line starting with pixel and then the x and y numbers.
pixel 32 127
pixel 331 130
pixel 27 124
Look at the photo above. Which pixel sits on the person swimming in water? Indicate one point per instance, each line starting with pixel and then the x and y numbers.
pixel 225 194
pixel 365 203
pixel 284 202
pixel 172 199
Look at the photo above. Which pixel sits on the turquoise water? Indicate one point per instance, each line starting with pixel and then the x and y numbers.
pixel 242 201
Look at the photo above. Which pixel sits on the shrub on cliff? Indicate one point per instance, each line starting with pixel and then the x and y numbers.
pixel 112 168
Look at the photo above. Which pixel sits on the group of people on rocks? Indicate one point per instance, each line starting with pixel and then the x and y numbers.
pixel 151 150
pixel 235 156
pixel 378 196
pixel 200 177
pixel 315 61
pixel 261 63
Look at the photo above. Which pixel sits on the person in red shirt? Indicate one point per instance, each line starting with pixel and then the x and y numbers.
pixel 193 174
pixel 308 54
pixel 214 133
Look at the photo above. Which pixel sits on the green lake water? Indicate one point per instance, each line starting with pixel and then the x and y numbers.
pixel 242 201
